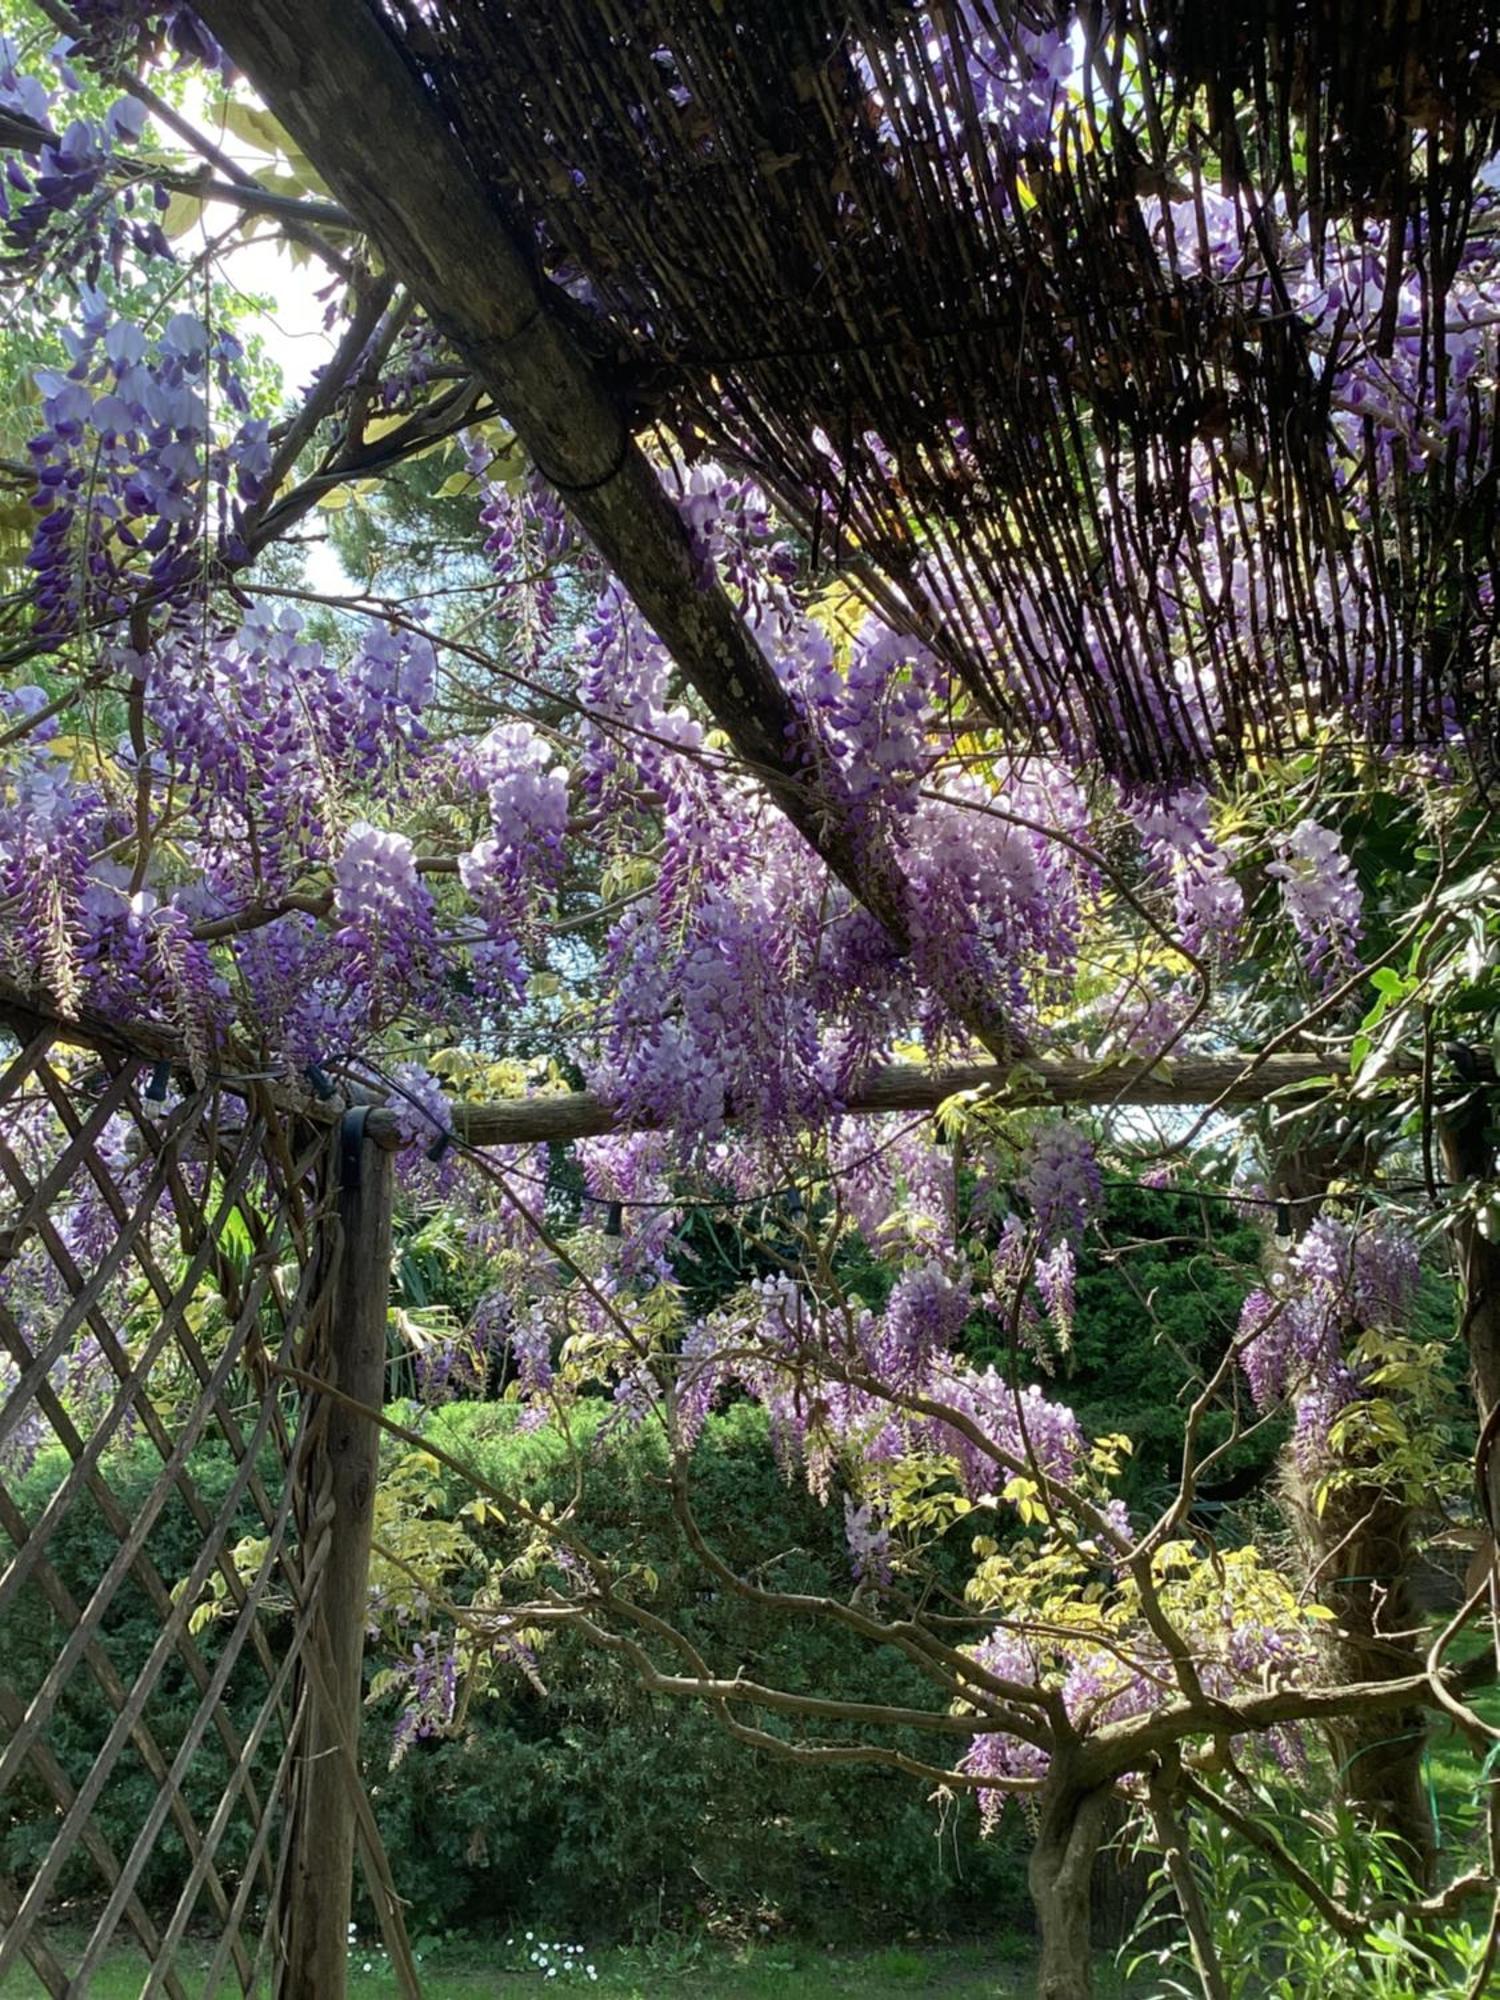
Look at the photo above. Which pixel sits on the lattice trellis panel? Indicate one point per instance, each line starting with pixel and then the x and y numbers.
pixel 159 1254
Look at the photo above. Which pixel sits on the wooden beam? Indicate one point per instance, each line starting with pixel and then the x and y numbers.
pixel 345 1469
pixel 338 80
pixel 1235 1079
pixel 1195 1080
pixel 25 1009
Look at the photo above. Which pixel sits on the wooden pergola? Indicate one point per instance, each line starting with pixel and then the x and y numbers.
pixel 472 142
pixel 380 99
pixel 238 1258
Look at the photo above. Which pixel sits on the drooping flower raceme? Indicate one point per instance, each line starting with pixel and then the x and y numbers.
pixel 1295 1338
pixel 512 871
pixel 384 913
pixel 1208 904
pixel 132 471
pixel 424 1118
pixel 1062 1181
pixel 61 197
pixel 1322 898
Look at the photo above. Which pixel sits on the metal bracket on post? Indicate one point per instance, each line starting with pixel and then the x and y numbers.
pixel 351 1146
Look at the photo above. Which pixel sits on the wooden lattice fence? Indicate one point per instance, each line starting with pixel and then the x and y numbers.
pixel 175 1261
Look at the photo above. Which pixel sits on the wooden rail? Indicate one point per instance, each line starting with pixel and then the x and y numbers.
pixel 1198 1080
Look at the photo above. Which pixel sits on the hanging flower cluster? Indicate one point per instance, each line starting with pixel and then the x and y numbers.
pixel 60 200
pixel 1322 898
pixel 131 474
pixel 1296 1338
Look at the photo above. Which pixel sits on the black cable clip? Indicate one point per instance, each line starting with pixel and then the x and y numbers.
pixel 321 1082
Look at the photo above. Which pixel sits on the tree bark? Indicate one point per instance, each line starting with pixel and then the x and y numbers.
pixel 1467 1137
pixel 1358 1549
pixel 1060 1875
pixel 1367 1584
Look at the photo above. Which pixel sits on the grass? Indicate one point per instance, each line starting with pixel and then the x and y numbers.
pixel 497 1969
pixel 471 1970
pixel 1451 1765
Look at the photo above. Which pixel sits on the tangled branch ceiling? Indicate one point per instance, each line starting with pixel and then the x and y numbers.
pixel 1072 333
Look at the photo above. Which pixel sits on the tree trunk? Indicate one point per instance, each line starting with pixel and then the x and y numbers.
pixel 1468 1143
pixel 1060 1874
pixel 1358 1550
pixel 1361 1546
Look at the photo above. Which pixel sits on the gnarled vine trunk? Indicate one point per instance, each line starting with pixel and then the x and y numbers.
pixel 1359 1550
pixel 1469 1154
pixel 1060 1874
pixel 1357 1545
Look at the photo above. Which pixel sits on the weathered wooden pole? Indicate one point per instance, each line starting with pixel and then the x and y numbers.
pixel 320 1886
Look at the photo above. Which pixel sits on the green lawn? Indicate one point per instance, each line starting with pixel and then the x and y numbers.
pixel 1450 1762
pixel 1002 1969
pixel 469 1971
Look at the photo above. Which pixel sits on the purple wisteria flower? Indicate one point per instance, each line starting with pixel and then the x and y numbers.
pixel 628 1177
pixel 1181 852
pixel 1056 1280
pixel 1022 1431
pixel 869 1542
pixel 130 469
pixel 118 31
pixel 1062 1181
pixel 430 1679
pixel 1342 1280
pixel 1322 898
pixel 384 913
pixel 996 1754
pixel 923 1318
pixel 897 1187
pixel 701 1372
pixel 424 1118
pixel 69 194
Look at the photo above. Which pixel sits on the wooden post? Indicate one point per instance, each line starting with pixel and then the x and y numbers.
pixel 320 1888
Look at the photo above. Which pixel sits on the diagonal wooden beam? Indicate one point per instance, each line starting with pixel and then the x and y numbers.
pixel 340 83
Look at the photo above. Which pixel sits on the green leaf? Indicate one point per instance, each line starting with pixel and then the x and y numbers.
pixel 182 213
pixel 256 128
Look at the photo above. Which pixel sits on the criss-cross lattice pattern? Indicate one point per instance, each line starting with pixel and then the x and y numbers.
pixel 160 1254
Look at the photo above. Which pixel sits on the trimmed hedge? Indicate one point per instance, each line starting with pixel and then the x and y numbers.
pixel 79 1550
pixel 595 1809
